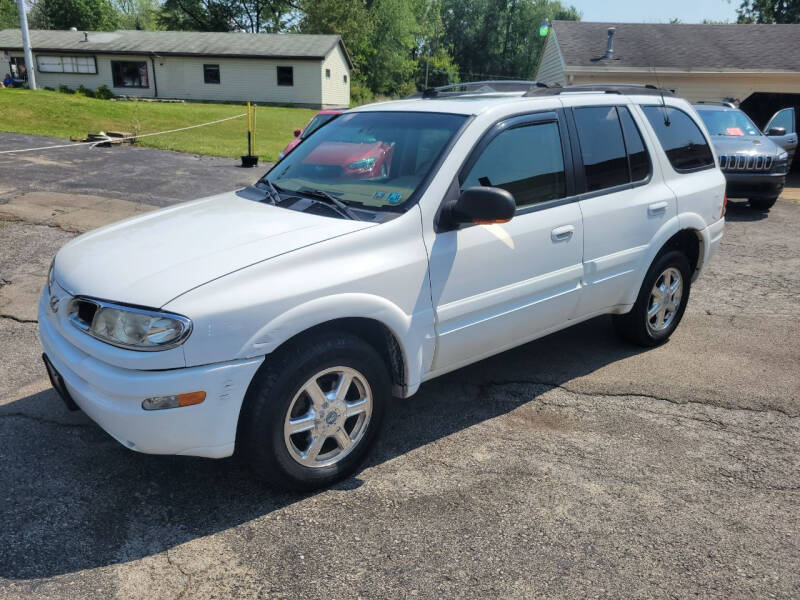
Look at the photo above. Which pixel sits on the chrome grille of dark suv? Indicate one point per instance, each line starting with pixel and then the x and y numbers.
pixel 744 162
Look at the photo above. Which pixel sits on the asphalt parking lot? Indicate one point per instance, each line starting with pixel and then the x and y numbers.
pixel 575 466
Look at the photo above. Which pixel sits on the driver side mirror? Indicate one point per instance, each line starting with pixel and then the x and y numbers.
pixel 482 206
pixel 297 132
pixel 776 131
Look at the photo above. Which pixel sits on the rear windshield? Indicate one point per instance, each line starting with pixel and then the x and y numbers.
pixel 727 122
pixel 376 159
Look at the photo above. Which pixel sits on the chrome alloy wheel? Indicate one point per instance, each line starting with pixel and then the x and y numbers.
pixel 328 417
pixel 665 299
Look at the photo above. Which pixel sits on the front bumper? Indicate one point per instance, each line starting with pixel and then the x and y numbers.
pixel 754 185
pixel 112 397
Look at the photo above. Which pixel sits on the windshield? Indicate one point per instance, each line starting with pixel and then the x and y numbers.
pixel 727 122
pixel 315 123
pixel 377 159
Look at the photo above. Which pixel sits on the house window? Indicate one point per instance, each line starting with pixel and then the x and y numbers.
pixel 327 73
pixel 285 76
pixel 131 74
pixel 66 64
pixel 345 78
pixel 211 73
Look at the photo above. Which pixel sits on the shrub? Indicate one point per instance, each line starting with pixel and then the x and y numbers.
pixel 103 92
pixel 360 93
pixel 65 89
pixel 49 89
pixel 84 91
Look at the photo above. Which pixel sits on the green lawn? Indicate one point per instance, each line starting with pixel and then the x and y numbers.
pixel 63 115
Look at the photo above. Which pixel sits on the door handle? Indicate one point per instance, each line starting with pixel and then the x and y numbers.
pixel 656 208
pixel 560 234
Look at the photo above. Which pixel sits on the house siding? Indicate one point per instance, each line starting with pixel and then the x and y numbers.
pixel 93 81
pixel 701 86
pixel 551 66
pixel 241 79
pixel 335 92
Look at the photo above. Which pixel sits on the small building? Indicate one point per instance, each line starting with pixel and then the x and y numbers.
pixel 757 66
pixel 302 70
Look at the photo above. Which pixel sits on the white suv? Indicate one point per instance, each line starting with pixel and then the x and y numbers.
pixel 398 242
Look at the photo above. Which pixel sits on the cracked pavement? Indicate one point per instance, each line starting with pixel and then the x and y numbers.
pixel 574 466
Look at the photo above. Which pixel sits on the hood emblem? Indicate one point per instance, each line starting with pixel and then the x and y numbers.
pixel 54 300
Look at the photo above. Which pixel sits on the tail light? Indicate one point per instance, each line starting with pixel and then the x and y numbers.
pixel 724 205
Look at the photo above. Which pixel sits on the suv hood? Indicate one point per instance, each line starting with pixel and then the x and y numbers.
pixel 733 144
pixel 150 259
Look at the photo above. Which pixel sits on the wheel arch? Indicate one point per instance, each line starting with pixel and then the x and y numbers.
pixel 399 338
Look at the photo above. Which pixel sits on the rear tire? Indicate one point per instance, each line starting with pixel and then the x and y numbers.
pixel 299 429
pixel 763 204
pixel 661 301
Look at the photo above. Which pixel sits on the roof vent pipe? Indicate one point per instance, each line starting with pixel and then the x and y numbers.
pixel 610 43
pixel 85 36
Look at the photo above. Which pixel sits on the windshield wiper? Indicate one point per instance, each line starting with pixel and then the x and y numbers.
pixel 273 193
pixel 332 201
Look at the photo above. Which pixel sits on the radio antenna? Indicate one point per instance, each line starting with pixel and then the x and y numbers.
pixel 667 122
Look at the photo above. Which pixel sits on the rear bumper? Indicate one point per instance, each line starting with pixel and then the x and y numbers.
pixel 754 185
pixel 112 397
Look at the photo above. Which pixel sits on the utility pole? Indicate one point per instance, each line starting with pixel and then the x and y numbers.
pixel 26 44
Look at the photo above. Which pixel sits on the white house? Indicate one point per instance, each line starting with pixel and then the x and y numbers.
pixel 303 70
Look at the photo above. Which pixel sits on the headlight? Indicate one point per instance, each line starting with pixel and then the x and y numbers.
pixel 128 327
pixel 783 156
pixel 365 164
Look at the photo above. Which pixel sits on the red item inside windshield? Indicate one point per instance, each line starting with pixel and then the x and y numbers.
pixel 734 131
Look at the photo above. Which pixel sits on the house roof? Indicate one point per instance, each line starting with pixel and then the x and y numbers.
pixel 736 47
pixel 184 43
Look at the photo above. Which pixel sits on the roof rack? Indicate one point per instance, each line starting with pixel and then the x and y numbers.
pixel 605 88
pixel 717 103
pixel 478 87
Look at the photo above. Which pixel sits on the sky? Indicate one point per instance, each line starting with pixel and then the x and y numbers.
pixel 654 11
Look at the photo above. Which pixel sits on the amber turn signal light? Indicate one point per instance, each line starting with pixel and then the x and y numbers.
pixel 162 402
pixel 491 222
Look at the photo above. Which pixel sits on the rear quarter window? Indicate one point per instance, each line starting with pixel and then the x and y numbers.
pixel 684 144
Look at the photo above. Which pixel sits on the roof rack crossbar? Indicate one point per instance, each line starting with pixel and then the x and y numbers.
pixel 479 87
pixel 605 88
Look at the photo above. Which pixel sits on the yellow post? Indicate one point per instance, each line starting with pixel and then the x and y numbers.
pixel 255 110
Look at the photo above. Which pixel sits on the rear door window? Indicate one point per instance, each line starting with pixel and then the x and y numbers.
pixel 684 144
pixel 605 162
pixel 638 157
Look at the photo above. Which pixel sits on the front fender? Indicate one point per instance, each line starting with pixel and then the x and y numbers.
pixel 414 333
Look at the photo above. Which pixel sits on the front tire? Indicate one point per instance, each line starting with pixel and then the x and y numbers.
pixel 313 410
pixel 661 301
pixel 763 204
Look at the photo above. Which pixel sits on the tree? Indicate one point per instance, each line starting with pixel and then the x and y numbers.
pixel 9 14
pixel 254 16
pixel 497 39
pixel 769 11
pixel 88 15
pixel 137 14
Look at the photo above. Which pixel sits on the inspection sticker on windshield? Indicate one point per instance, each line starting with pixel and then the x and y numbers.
pixel 734 131
pixel 394 198
pixel 378 195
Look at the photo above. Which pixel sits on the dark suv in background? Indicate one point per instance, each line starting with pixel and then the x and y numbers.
pixel 755 165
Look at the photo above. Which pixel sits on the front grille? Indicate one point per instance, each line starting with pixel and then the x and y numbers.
pixel 745 162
